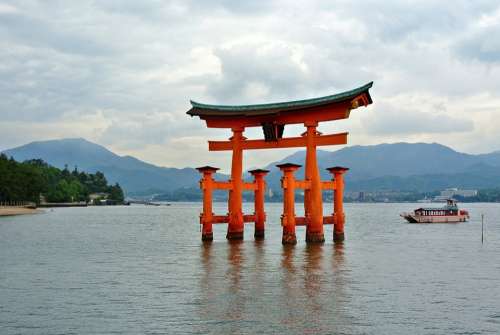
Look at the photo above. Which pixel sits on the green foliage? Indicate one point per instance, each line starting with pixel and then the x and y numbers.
pixel 28 180
pixel 116 193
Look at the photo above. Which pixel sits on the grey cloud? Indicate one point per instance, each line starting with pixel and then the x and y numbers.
pixel 141 9
pixel 420 19
pixel 134 62
pixel 275 69
pixel 482 45
pixel 46 33
pixel 133 135
pixel 272 68
pixel 237 7
pixel 391 120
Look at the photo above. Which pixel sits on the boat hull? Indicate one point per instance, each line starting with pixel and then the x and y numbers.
pixel 412 218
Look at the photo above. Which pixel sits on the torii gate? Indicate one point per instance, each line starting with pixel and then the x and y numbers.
pixel 273 118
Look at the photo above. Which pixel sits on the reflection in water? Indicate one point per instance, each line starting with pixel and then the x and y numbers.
pixel 338 255
pixel 313 256
pixel 290 294
pixel 312 286
pixel 287 256
pixel 243 283
pixel 258 270
pixel 340 299
pixel 235 259
pixel 206 282
pixel 339 273
pixel 206 256
pixel 234 305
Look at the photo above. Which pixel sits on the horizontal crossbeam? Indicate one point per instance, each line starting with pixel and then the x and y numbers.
pixel 225 218
pixel 303 184
pixel 291 142
pixel 227 185
pixel 223 185
pixel 306 184
pixel 328 185
pixel 249 186
pixel 301 221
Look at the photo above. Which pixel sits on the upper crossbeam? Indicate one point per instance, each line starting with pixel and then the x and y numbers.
pixel 290 142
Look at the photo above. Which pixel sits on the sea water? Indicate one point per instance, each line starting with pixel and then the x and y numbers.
pixel 144 270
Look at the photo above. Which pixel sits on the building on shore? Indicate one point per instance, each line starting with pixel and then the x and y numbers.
pixel 449 193
pixel 99 198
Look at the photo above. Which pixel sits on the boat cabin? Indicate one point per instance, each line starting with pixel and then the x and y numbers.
pixel 451 208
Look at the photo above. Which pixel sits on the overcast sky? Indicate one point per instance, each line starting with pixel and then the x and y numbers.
pixel 121 73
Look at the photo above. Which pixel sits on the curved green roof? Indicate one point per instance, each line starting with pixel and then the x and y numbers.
pixel 206 109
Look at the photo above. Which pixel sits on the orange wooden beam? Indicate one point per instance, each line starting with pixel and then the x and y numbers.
pixel 328 185
pixel 248 217
pixel 222 185
pixel 301 221
pixel 303 184
pixel 225 218
pixel 249 186
pixel 291 142
pixel 330 219
pixel 227 185
pixel 220 219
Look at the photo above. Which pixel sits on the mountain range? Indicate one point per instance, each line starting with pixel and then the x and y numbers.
pixel 398 166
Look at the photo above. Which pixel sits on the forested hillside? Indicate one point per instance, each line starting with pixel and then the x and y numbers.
pixel 28 180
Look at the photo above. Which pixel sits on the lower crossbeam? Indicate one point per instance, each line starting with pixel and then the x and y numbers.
pixel 301 221
pixel 225 218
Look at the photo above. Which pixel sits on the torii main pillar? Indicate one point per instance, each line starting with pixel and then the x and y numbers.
pixel 313 200
pixel 235 226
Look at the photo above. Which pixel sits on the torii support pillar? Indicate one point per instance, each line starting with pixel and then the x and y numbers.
pixel 338 202
pixel 206 217
pixel 313 202
pixel 288 217
pixel 259 193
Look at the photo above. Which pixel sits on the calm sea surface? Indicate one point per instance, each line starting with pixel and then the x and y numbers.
pixel 144 270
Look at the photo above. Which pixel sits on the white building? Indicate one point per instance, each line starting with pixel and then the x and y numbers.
pixel 451 192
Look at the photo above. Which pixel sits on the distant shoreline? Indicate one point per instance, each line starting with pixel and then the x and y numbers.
pixel 11 211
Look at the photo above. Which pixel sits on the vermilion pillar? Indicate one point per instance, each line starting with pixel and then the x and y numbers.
pixel 313 202
pixel 235 227
pixel 288 217
pixel 206 217
pixel 338 202
pixel 260 214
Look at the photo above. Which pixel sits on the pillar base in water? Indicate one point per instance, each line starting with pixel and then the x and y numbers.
pixel 338 237
pixel 315 238
pixel 234 235
pixel 289 238
pixel 259 234
pixel 207 237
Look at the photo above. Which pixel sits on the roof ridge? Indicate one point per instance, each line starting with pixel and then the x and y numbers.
pixel 294 103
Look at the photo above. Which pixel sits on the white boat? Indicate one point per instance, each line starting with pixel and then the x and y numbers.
pixel 450 213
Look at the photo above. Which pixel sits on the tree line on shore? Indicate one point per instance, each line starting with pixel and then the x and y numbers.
pixel 28 180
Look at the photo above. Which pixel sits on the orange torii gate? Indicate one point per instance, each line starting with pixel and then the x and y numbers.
pixel 273 118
